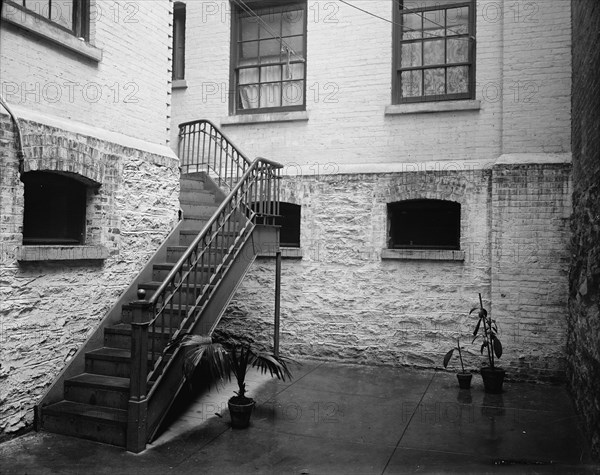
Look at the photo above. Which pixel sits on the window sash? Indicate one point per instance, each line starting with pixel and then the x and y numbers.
pixel 71 16
pixel 179 17
pixel 453 79
pixel 280 80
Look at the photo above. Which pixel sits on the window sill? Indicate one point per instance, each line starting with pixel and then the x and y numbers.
pixel 423 254
pixel 47 31
pixel 242 119
pixel 432 107
pixel 179 84
pixel 286 253
pixel 61 253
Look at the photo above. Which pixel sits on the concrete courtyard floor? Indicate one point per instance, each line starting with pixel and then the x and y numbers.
pixel 345 419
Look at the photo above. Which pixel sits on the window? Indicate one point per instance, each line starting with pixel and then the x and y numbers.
pixel 54 209
pixel 424 224
pixel 434 50
pixel 178 41
pixel 289 220
pixel 268 57
pixel 70 15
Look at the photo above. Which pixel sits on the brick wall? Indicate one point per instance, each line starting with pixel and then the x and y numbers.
pixel 126 91
pixel 48 308
pixel 584 314
pixel 522 69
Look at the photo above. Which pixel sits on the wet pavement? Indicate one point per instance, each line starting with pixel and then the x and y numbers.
pixel 346 419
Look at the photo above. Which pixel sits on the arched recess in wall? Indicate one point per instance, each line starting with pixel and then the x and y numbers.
pixel 424 224
pixel 55 208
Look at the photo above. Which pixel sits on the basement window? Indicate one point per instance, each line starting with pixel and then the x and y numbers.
pixel 55 207
pixel 424 224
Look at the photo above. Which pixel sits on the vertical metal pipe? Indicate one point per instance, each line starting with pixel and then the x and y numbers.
pixel 277 301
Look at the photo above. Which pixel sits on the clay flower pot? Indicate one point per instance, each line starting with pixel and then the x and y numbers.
pixel 464 380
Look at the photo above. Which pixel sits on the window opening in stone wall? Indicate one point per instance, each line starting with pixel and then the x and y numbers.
pixel 289 220
pixel 54 209
pixel 424 224
pixel 70 15
pixel 178 41
pixel 434 50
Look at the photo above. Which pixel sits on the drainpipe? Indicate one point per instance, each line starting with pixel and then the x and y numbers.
pixel 20 154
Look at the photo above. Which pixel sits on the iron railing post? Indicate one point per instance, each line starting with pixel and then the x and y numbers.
pixel 277 301
pixel 137 430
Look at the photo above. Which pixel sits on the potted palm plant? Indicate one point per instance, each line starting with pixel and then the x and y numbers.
pixel 487 330
pixel 464 378
pixel 224 360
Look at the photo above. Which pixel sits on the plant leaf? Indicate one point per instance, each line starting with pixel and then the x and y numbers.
pixel 473 309
pixel 477 327
pixel 483 345
pixel 447 357
pixel 497 346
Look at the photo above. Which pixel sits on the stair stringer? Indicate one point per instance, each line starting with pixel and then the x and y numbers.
pixel 55 392
pixel 165 390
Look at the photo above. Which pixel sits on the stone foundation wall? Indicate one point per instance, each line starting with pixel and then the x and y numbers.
pixel 49 307
pixel 346 299
pixel 584 296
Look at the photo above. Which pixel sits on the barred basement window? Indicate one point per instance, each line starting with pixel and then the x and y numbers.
pixel 268 56
pixel 424 224
pixel 55 207
pixel 70 15
pixel 434 50
pixel 178 41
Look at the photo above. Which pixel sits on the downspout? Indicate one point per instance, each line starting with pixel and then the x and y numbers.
pixel 20 154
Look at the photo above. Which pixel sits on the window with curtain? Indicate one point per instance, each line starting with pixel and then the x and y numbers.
pixel 269 57
pixel 70 15
pixel 434 50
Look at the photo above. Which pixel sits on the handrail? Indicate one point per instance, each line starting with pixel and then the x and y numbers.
pixel 252 194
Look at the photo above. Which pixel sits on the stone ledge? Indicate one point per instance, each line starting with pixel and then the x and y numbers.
pixel 61 253
pixel 432 107
pixel 286 253
pixel 423 254
pixel 245 119
pixel 45 29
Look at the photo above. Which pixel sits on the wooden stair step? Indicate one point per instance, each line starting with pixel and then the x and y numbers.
pixel 98 390
pixel 110 361
pixel 101 424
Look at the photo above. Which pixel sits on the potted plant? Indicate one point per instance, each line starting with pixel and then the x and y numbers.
pixel 224 360
pixel 464 378
pixel 487 330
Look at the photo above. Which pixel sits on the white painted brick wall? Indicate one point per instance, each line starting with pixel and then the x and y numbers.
pixel 127 91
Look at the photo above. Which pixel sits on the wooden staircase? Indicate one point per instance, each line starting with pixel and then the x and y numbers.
pixel 112 394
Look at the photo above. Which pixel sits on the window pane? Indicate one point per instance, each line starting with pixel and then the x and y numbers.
pixel 270 73
pixel 411 83
pixel 41 7
pixel 293 23
pixel 249 28
pixel 411 26
pixel 270 26
pixel 433 23
pixel 457 50
pixel 269 51
pixel 270 95
pixel 249 50
pixel 458 80
pixel 433 52
pixel 248 76
pixel 457 20
pixel 248 97
pixel 62 13
pixel 435 82
pixel 297 44
pixel 293 71
pixel 293 93
pixel 411 54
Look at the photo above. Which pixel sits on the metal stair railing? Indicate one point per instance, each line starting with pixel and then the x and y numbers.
pixel 176 305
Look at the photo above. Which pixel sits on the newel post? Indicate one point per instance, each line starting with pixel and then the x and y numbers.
pixel 138 404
